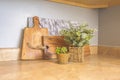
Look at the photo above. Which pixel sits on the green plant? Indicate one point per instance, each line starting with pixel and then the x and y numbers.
pixel 61 50
pixel 77 36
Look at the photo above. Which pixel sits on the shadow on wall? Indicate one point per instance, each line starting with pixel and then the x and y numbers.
pixel 21 42
pixel 21 38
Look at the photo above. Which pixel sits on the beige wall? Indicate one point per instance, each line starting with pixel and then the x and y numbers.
pixel 109 26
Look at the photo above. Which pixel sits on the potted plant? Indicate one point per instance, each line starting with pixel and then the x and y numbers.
pixel 62 55
pixel 77 37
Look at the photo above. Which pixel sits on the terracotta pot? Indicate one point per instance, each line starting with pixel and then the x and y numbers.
pixel 62 58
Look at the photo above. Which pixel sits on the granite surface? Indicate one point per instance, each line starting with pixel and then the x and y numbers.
pixel 94 68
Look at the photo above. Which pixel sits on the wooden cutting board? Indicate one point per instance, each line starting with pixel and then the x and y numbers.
pixel 33 41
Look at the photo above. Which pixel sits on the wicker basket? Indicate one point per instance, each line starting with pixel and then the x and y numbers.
pixel 63 58
pixel 76 54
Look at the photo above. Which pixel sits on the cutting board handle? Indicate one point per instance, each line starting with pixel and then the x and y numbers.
pixel 36 22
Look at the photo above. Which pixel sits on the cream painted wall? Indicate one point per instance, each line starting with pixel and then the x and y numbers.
pixel 109 26
pixel 14 13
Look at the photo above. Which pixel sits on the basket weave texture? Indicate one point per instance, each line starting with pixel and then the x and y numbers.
pixel 76 54
pixel 63 58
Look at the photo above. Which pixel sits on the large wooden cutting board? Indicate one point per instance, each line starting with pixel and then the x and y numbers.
pixel 33 41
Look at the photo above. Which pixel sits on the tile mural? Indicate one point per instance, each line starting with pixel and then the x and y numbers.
pixel 53 25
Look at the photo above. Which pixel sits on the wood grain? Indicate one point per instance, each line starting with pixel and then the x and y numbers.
pixel 52 42
pixel 32 41
pixel 90 3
